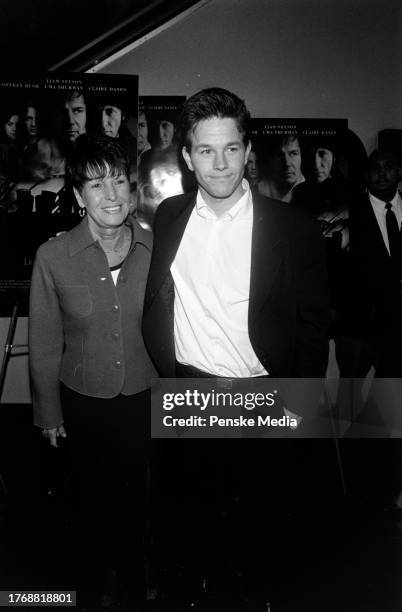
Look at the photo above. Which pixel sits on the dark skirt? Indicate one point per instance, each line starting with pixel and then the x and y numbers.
pixel 108 441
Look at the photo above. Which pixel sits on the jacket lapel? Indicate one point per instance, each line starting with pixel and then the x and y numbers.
pixel 168 235
pixel 267 253
pixel 372 231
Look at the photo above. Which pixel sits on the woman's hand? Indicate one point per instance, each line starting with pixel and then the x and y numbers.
pixel 53 433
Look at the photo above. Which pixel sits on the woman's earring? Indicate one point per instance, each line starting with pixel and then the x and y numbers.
pixel 82 212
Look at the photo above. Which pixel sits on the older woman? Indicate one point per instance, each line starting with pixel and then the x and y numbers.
pixel 90 370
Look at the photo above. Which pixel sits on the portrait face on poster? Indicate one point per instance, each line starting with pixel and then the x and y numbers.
pixel 161 170
pixel 41 119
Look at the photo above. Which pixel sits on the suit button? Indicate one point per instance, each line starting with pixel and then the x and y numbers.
pixel 116 335
pixel 115 307
pixel 117 364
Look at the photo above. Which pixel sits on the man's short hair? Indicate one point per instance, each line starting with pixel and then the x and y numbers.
pixel 95 157
pixel 74 94
pixel 210 103
pixel 272 145
pixel 381 153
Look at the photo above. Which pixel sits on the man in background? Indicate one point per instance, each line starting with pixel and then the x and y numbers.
pixel 282 171
pixel 375 307
pixel 75 115
pixel 142 135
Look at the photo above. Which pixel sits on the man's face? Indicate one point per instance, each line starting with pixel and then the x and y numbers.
pixel 166 133
pixel 384 175
pixel 11 127
pixel 218 157
pixel 111 120
pixel 76 116
pixel 31 122
pixel 323 162
pixel 286 164
pixel 142 136
pixel 252 167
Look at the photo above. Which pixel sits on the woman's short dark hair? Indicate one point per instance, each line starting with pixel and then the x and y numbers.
pixel 95 157
pixel 210 103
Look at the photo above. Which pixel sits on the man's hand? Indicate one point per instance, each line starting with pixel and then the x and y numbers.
pixel 53 433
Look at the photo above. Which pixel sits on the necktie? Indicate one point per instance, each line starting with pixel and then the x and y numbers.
pixel 393 235
pixel 393 232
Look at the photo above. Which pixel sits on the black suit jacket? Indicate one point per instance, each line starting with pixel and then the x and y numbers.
pixel 288 310
pixel 375 284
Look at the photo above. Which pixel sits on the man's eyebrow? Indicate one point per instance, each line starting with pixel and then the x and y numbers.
pixel 211 146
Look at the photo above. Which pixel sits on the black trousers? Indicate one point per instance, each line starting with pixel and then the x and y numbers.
pixel 232 491
pixel 108 441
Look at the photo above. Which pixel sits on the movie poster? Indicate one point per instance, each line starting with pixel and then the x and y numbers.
pixel 316 165
pixel 161 171
pixel 41 118
pixel 303 162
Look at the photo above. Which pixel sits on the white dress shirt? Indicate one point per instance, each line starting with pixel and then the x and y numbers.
pixel 380 212
pixel 211 273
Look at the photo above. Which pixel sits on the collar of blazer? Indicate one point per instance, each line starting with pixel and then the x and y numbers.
pixel 268 239
pixel 80 237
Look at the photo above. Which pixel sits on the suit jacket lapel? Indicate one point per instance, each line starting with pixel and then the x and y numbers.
pixel 167 242
pixel 374 235
pixel 267 253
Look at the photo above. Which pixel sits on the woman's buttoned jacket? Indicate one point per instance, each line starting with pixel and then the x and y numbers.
pixel 83 329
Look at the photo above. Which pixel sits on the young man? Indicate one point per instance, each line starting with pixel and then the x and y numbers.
pixel 237 290
pixel 237 285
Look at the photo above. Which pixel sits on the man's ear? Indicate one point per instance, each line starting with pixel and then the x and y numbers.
pixel 187 158
pixel 78 197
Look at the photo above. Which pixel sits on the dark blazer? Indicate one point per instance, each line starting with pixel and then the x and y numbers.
pixel 288 309
pixel 375 290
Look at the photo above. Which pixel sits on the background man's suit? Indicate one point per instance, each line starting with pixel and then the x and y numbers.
pixel 374 324
pixel 375 314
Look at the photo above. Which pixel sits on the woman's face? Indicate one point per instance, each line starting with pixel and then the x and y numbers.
pixel 10 127
pixel 107 200
pixel 323 162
